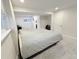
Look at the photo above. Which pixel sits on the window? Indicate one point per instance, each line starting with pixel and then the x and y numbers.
pixel 28 19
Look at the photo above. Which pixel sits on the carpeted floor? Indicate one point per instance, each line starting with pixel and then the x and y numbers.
pixel 66 49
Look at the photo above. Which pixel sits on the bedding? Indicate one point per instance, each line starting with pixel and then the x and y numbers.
pixel 33 41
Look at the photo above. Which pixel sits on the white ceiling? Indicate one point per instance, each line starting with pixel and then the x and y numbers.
pixel 42 5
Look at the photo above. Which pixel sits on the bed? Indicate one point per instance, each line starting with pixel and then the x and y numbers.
pixel 33 41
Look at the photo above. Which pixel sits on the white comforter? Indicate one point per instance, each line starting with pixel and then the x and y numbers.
pixel 34 41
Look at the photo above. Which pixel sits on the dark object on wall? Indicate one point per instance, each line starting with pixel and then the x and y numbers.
pixel 48 27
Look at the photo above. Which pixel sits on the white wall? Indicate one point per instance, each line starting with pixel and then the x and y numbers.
pixel 37 18
pixel 14 28
pixel 5 12
pixel 10 22
pixel 8 48
pixel 52 21
pixel 20 21
pixel 44 20
pixel 27 25
pixel 65 21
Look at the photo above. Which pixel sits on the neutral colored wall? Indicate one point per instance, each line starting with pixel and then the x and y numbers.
pixel 52 21
pixel 44 20
pixel 14 28
pixel 5 12
pixel 8 48
pixel 65 21
pixel 27 25
pixel 10 22
pixel 37 18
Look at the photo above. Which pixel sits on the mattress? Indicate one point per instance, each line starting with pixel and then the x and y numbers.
pixel 33 41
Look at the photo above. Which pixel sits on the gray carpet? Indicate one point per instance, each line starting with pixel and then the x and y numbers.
pixel 66 49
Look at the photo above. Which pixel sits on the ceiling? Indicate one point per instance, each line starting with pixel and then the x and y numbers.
pixel 42 5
